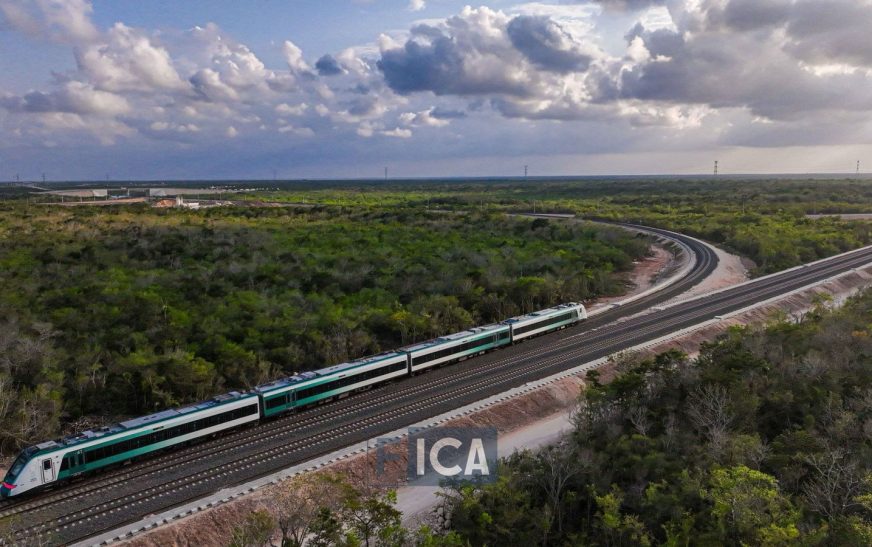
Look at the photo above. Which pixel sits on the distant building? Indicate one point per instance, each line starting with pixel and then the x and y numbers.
pixel 84 193
pixel 169 192
pixel 165 203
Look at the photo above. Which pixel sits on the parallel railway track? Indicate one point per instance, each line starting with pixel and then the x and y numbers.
pixel 125 495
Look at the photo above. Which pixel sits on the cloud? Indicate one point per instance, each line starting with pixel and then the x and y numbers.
pixel 435 66
pixel 546 77
pixel 831 31
pixel 417 5
pixel 294 57
pixel 630 5
pixel 745 55
pixel 398 133
pixel 208 85
pixel 72 97
pixel 447 114
pixel 546 44
pixel 526 65
pixel 127 60
pixel 423 118
pixel 284 109
pixel 66 21
pixel 481 52
pixel 747 15
pixel 327 65
pixel 175 127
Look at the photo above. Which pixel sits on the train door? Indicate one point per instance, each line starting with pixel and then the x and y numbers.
pixel 48 472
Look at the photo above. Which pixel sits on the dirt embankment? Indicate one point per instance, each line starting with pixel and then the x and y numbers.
pixel 731 270
pixel 525 421
pixel 215 526
pixel 793 307
pixel 647 272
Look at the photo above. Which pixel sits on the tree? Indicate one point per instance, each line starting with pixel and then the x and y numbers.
pixel 372 518
pixel 834 485
pixel 709 409
pixel 426 537
pixel 298 507
pixel 255 531
pixel 749 509
pixel 618 528
pixel 559 464
pixel 326 530
pixel 861 525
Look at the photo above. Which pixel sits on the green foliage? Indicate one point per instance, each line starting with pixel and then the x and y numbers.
pixel 372 519
pixel 761 440
pixel 255 531
pixel 616 527
pixel 131 310
pixel 335 514
pixel 763 219
pixel 749 509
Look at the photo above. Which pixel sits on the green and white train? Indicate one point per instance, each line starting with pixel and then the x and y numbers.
pixel 58 461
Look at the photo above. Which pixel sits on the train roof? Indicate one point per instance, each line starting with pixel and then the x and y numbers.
pixel 542 313
pixel 456 336
pixel 134 423
pixel 312 374
pixel 359 363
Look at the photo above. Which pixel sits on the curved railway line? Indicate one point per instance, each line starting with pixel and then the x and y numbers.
pixel 112 499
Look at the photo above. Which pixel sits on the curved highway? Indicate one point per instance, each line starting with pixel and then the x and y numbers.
pixel 112 499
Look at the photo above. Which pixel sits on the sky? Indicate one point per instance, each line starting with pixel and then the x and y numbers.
pixel 126 89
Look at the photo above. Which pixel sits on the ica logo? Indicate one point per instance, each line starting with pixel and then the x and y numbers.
pixel 440 454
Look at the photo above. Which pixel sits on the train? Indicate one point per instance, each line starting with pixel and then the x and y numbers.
pixel 58 461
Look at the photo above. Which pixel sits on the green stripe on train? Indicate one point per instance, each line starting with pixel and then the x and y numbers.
pixel 67 473
pixel 328 394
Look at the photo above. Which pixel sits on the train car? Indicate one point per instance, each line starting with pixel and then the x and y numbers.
pixel 44 464
pixel 458 346
pixel 316 386
pixel 53 461
pixel 542 321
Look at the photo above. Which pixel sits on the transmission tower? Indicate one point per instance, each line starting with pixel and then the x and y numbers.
pixel 716 167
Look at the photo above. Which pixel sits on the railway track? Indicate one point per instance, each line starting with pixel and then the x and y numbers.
pixel 125 495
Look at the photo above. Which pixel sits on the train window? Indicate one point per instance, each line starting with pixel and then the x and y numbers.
pixel 17 466
pixel 349 380
pixel 544 323
pixel 480 343
pixel 164 434
pixel 46 464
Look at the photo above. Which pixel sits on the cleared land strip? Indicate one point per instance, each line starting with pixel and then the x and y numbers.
pixel 422 397
pixel 126 495
pixel 591 349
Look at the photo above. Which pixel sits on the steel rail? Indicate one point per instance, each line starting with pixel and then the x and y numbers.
pixel 472 379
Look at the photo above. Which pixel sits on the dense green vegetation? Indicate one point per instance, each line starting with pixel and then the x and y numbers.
pixel 764 439
pixel 762 219
pixel 122 311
